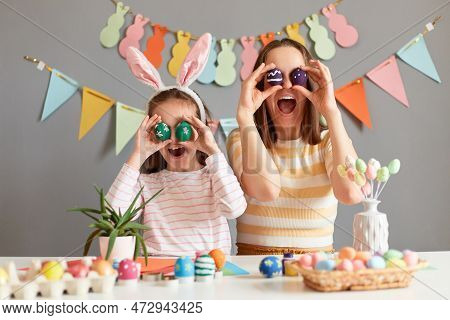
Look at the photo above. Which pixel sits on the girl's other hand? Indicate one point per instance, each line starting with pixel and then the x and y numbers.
pixel 145 142
pixel 203 138
pixel 251 97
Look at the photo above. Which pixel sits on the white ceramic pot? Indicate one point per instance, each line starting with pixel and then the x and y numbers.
pixel 370 229
pixel 123 248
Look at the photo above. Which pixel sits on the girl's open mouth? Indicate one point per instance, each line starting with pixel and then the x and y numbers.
pixel 286 104
pixel 177 151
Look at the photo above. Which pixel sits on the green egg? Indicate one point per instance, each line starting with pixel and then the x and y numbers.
pixel 393 254
pixel 396 263
pixel 394 166
pixel 383 174
pixel 183 131
pixel 361 166
pixel 341 170
pixel 162 131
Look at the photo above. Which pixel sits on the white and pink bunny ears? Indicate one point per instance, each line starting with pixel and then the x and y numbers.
pixel 190 70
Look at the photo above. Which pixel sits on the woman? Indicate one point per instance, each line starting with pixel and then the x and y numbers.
pixel 285 160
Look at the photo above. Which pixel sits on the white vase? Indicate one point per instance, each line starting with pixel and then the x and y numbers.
pixel 370 229
pixel 123 248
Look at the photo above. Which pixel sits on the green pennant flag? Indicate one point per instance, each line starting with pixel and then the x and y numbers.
pixel 128 120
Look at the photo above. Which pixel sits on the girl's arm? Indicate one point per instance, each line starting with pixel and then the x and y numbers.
pixel 323 99
pixel 260 178
pixel 229 197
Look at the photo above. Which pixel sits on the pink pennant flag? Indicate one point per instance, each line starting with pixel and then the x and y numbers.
pixel 387 76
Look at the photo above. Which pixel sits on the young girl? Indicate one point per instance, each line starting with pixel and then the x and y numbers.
pixel 200 190
pixel 285 160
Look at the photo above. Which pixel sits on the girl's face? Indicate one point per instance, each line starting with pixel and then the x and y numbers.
pixel 178 155
pixel 286 105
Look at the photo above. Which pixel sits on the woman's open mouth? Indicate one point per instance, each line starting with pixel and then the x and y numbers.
pixel 177 151
pixel 286 104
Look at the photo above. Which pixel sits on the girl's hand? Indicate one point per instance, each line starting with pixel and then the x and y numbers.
pixel 145 142
pixel 323 97
pixel 203 139
pixel 251 97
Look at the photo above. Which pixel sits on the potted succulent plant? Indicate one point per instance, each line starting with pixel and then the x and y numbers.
pixel 119 235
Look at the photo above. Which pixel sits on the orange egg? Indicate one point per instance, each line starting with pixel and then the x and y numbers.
pixel 102 267
pixel 347 253
pixel 363 255
pixel 219 258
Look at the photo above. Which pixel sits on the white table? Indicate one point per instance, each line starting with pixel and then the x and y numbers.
pixel 433 283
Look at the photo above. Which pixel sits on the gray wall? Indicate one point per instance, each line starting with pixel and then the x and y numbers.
pixel 44 169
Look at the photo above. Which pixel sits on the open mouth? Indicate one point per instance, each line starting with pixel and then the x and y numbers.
pixel 286 104
pixel 177 151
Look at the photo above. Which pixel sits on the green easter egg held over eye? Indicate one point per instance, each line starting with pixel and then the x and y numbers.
pixel 183 132
pixel 162 131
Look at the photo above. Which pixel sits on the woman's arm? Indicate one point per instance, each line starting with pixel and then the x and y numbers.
pixel 323 99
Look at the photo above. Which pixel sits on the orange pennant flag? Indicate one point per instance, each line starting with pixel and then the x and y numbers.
pixel 353 97
pixel 93 106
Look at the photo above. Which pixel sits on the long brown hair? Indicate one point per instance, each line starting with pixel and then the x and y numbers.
pixel 310 127
pixel 156 162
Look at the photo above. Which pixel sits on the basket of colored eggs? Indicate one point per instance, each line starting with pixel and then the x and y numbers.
pixel 357 270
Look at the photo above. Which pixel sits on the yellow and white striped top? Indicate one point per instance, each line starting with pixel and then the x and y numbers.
pixel 303 216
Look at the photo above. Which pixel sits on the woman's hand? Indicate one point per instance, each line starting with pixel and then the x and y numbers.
pixel 145 142
pixel 203 139
pixel 251 97
pixel 323 97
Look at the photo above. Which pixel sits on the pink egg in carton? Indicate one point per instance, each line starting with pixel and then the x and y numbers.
pixel 54 278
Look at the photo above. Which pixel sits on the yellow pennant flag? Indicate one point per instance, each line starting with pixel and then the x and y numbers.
pixel 93 106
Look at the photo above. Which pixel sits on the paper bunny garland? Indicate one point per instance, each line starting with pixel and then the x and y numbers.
pixel 190 70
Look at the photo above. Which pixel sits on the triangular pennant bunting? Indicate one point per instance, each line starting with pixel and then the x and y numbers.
pixel 93 106
pixel 228 125
pixel 213 124
pixel 60 89
pixel 128 120
pixel 387 76
pixel 415 53
pixel 353 97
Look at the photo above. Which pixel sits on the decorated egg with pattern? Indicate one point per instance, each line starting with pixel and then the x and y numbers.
pixel 184 267
pixel 219 258
pixel 183 131
pixel 205 266
pixel 128 270
pixel 270 267
pixel 274 77
pixel 79 270
pixel 299 77
pixel 102 267
pixel 162 131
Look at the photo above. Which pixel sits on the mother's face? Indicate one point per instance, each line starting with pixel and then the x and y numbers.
pixel 285 106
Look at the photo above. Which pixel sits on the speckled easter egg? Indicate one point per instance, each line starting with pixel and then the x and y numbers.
pixel 371 172
pixel 349 162
pixel 183 131
pixel 205 266
pixel 351 174
pixel 394 166
pixel 184 267
pixel 326 265
pixel 360 165
pixel 79 270
pixel 347 253
pixel 52 270
pixel 4 277
pixel 360 178
pixel 374 163
pixel 306 261
pixel 219 258
pixel 345 265
pixel 162 131
pixel 396 263
pixel 270 267
pixel 274 77
pixel 383 174
pixel 299 77
pixel 363 255
pixel 102 267
pixel 128 270
pixel 393 254
pixel 358 265
pixel 342 170
pixel 376 262
pixel 411 258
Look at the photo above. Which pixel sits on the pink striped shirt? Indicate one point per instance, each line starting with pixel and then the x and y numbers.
pixel 191 213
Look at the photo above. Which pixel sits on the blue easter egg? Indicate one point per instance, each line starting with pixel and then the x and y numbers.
pixel 376 262
pixel 326 265
pixel 184 267
pixel 270 266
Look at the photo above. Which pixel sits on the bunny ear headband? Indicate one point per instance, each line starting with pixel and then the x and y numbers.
pixel 190 70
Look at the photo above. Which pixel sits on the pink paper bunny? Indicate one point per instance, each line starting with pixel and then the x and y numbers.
pixel 134 34
pixel 345 34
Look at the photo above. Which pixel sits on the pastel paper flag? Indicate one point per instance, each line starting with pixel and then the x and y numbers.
pixel 128 120
pixel 353 97
pixel 213 124
pixel 387 76
pixel 93 106
pixel 60 89
pixel 415 53
pixel 227 125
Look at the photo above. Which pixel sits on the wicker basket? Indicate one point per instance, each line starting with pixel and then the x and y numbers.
pixel 367 279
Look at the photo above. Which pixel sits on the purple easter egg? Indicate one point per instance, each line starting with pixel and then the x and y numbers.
pixel 299 77
pixel 274 77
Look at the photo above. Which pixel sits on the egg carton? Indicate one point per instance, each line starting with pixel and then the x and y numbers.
pixel 31 284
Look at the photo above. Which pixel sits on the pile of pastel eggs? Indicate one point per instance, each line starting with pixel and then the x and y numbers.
pixel 53 278
pixel 348 259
